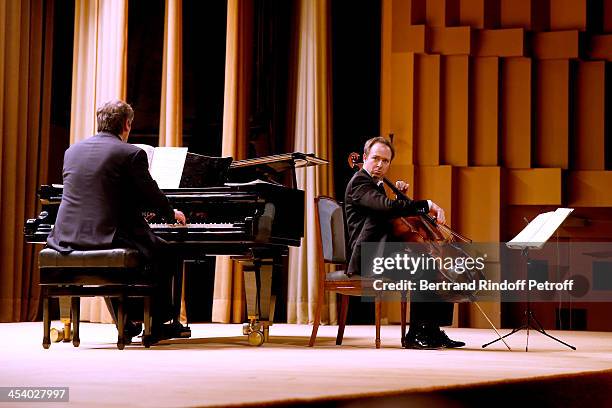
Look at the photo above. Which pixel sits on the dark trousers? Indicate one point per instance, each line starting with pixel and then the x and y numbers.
pixel 165 270
pixel 431 313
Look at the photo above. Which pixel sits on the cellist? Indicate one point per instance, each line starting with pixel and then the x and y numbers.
pixel 368 211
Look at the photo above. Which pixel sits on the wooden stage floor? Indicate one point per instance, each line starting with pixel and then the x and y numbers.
pixel 218 367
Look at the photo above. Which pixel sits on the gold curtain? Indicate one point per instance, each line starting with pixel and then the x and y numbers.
pixel 99 73
pixel 171 111
pixel 171 120
pixel 24 125
pixel 228 300
pixel 312 134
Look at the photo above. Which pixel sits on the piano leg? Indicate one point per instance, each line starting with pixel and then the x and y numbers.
pixel 258 288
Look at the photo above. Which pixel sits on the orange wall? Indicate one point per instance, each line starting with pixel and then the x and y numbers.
pixel 499 108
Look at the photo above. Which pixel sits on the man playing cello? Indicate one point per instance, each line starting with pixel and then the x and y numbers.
pixel 368 211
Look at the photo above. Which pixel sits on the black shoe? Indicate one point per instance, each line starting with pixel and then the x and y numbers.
pixel 176 330
pixel 130 330
pixel 422 340
pixel 168 331
pixel 448 343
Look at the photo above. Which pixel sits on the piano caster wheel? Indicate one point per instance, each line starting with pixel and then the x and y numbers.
pixel 46 344
pixel 76 342
pixel 120 345
pixel 256 338
pixel 57 335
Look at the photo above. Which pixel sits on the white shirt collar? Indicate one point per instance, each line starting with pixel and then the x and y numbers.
pixel 379 181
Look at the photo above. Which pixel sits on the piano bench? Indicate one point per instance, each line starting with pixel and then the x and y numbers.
pixel 113 273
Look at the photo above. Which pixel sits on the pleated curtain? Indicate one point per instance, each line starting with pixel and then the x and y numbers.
pixel 24 130
pixel 313 134
pixel 228 302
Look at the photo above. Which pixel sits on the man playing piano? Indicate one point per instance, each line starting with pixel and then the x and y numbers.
pixel 368 210
pixel 107 186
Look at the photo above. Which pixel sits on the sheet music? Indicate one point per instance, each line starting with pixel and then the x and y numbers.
pixel 149 150
pixel 167 166
pixel 540 229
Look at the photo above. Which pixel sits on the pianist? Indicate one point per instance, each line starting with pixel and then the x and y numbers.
pixel 107 186
pixel 367 213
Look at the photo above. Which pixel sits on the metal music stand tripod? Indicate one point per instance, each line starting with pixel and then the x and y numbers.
pixel 534 236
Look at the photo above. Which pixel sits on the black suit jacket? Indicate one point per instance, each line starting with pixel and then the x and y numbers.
pixel 368 211
pixel 107 185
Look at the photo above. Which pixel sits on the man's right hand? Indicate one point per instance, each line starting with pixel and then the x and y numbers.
pixel 437 212
pixel 180 217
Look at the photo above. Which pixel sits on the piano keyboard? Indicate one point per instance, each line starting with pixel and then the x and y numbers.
pixel 196 226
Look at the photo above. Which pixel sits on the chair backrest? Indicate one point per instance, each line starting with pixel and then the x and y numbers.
pixel 332 229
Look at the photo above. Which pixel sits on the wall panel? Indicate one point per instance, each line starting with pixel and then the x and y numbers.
pixel 478 203
pixel 427 110
pixel 552 93
pixel 402 106
pixel 534 187
pixel 484 112
pixel 442 13
pixel 589 145
pixel 589 188
pixel 532 15
pixel 450 40
pixel 556 45
pixel 479 13
pixel 435 183
pixel 515 113
pixel 509 42
pixel 454 110
pixel 600 47
pixel 568 15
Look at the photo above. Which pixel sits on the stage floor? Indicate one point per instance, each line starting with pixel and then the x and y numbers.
pixel 218 367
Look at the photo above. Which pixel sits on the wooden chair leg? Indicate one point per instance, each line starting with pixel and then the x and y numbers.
pixel 403 318
pixel 317 316
pixel 344 305
pixel 120 323
pixel 76 319
pixel 46 320
pixel 377 313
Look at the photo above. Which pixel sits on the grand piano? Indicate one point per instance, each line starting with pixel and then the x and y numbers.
pixel 253 216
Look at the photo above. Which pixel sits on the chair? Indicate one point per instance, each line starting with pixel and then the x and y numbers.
pixel 331 244
pixel 115 273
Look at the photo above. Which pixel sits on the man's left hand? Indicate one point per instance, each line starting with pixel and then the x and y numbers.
pixel 402 186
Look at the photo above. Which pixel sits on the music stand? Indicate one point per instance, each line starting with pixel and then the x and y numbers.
pixel 533 237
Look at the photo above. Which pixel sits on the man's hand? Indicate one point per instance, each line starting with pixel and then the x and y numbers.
pixel 437 212
pixel 180 217
pixel 402 186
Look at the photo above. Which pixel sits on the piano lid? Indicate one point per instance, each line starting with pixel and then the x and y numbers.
pixel 270 167
pixel 282 161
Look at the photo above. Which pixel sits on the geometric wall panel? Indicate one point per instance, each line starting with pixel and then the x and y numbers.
pixel 589 145
pixel 532 15
pixel 427 109
pixel 454 110
pixel 552 114
pixel 484 112
pixel 515 112
pixel 589 188
pixel 534 187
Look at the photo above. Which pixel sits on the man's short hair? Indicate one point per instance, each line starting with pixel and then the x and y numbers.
pixel 378 139
pixel 112 116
